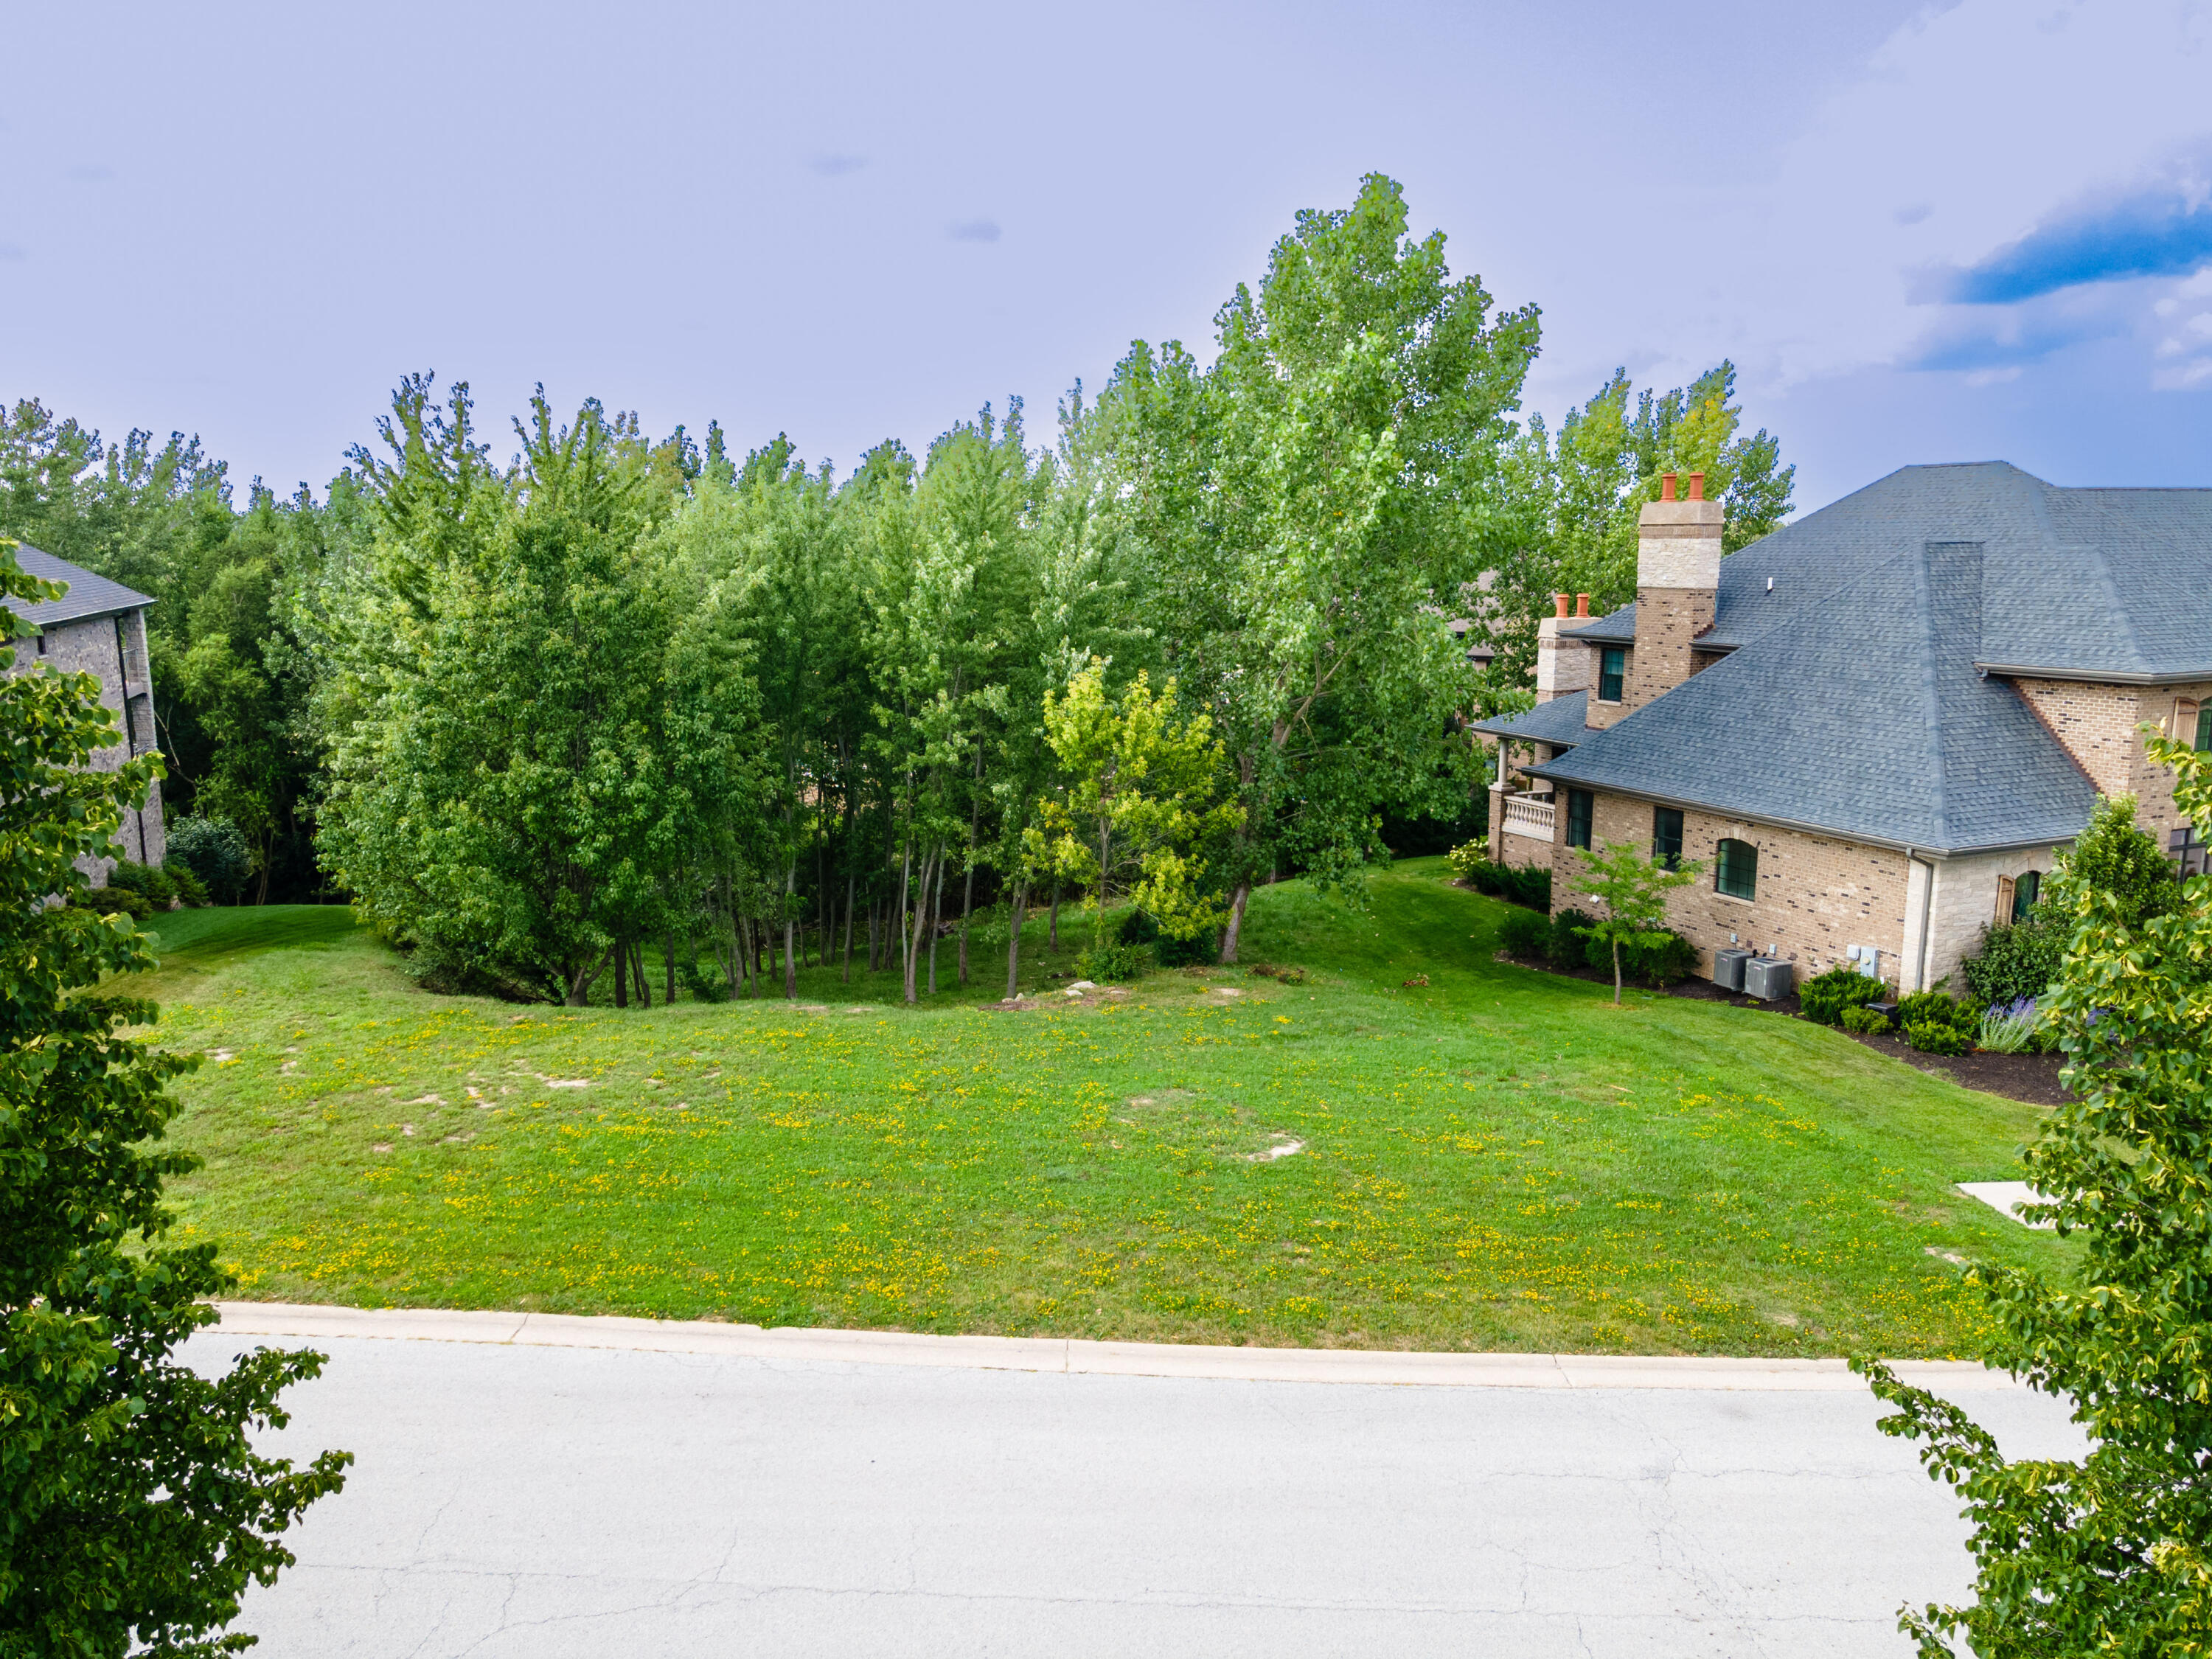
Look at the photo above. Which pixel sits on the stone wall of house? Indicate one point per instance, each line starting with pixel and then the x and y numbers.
pixel 2099 726
pixel 114 651
pixel 1817 896
pixel 1965 901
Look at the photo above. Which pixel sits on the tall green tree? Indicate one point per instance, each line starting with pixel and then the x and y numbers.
pixel 1576 496
pixel 513 772
pixel 1313 504
pixel 2111 1553
pixel 134 1510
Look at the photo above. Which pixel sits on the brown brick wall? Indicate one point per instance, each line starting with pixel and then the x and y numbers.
pixel 1816 896
pixel 2098 724
pixel 1669 621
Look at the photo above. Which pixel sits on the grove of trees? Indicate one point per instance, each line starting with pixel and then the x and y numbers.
pixel 620 717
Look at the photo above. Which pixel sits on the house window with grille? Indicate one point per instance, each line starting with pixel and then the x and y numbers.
pixel 2204 728
pixel 1735 871
pixel 1612 673
pixel 1665 837
pixel 2026 889
pixel 1578 818
pixel 2185 850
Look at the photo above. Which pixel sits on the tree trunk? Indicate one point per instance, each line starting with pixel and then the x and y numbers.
pixel 1015 906
pixel 910 935
pixel 790 963
pixel 671 964
pixel 1229 934
pixel 1616 973
pixel 849 925
pixel 936 920
pixel 644 984
pixel 622 974
pixel 580 988
pixel 874 967
pixel 968 893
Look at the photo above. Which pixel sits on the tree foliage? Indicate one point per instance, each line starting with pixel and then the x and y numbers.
pixel 2107 1555
pixel 1633 889
pixel 1137 808
pixel 133 1510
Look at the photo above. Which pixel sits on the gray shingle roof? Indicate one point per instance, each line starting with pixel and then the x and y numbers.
pixel 89 595
pixel 2109 584
pixel 1558 722
pixel 1863 716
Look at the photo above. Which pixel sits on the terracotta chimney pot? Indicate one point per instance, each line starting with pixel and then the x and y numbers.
pixel 1697 486
pixel 1559 604
pixel 1666 486
pixel 1581 604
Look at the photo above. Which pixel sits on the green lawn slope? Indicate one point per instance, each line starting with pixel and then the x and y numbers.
pixel 1497 1160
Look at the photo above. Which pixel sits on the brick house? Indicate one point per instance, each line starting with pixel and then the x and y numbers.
pixel 1876 726
pixel 99 627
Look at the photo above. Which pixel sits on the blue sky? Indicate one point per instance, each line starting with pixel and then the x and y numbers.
pixel 1924 233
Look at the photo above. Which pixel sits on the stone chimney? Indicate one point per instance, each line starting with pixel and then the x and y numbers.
pixel 1678 578
pixel 1562 666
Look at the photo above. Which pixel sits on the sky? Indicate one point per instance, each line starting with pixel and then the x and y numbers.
pixel 1922 232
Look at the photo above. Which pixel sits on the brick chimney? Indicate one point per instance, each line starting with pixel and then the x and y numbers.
pixel 1678 577
pixel 1562 666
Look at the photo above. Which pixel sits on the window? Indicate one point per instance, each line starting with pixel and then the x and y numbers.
pixel 1612 673
pixel 2025 889
pixel 2204 728
pixel 1735 873
pixel 1665 837
pixel 2185 850
pixel 1578 818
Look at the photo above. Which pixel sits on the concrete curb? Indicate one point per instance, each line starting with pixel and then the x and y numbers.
pixel 1072 1356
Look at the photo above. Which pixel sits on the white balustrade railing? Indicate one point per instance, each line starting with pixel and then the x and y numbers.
pixel 1528 815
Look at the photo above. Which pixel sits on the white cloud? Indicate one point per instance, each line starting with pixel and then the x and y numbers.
pixel 1966 130
pixel 2187 378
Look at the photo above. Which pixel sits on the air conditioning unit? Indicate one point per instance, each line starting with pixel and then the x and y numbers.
pixel 1728 968
pixel 1768 977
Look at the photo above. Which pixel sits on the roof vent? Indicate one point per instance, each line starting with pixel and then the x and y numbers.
pixel 1770 584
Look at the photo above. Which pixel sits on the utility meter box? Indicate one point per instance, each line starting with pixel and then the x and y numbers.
pixel 1768 977
pixel 1728 968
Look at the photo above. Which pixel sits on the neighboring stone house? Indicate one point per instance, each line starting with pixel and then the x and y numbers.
pixel 99 627
pixel 1874 726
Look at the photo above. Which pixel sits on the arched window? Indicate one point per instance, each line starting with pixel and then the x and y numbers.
pixel 1735 871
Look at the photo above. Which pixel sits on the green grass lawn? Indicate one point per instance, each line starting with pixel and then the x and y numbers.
pixel 1499 1160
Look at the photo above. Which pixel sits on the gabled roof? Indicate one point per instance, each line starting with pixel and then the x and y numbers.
pixel 1863 716
pixel 1558 722
pixel 2112 585
pixel 88 596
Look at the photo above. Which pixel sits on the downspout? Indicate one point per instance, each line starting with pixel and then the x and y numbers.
pixel 1927 912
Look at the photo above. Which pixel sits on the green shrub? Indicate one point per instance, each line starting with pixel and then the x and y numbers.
pixel 185 885
pixel 108 901
pixel 2112 856
pixel 1825 996
pixel 2020 959
pixel 213 850
pixel 1143 931
pixel 149 883
pixel 703 986
pixel 1466 859
pixel 1659 965
pixel 1864 1020
pixel 1528 884
pixel 1937 1037
pixel 1524 934
pixel 1567 947
pixel 1938 1008
pixel 1109 964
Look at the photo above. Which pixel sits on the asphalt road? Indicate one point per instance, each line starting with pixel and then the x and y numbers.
pixel 547 1501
